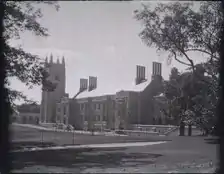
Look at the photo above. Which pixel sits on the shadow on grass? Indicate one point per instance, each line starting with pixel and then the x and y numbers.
pixel 82 158
pixel 30 144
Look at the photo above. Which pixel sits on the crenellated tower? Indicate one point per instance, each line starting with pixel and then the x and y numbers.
pixel 49 99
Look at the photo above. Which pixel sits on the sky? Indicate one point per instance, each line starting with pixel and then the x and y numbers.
pixel 97 39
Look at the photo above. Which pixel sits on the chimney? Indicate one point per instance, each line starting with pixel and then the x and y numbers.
pixel 51 58
pixel 156 68
pixel 83 85
pixel 140 76
pixel 92 83
pixel 46 60
pixel 63 60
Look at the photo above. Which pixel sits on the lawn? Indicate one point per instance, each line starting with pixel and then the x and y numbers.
pixel 186 154
pixel 23 136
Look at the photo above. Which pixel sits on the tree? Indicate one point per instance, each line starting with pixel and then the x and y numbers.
pixel 34 108
pixel 178 29
pixel 190 99
pixel 20 17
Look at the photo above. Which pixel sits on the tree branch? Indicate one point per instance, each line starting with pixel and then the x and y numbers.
pixel 175 57
pixel 201 50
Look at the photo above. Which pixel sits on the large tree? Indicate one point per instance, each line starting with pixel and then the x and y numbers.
pixel 23 16
pixel 179 29
pixel 190 99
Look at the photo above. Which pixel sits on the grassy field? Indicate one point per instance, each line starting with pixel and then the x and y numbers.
pixel 23 136
pixel 183 154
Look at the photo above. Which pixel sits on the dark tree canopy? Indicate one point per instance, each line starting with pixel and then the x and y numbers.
pixel 178 29
pixel 23 16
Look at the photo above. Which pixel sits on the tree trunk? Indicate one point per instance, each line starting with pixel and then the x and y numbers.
pixel 189 130
pixel 182 129
pixel 206 132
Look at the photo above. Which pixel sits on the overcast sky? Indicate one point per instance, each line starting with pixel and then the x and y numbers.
pixel 97 39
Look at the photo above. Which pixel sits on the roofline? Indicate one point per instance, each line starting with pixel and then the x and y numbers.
pixel 109 95
pixel 139 91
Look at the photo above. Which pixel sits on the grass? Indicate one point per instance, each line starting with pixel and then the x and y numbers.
pixel 22 134
pixel 71 158
pixel 182 153
pixel 187 151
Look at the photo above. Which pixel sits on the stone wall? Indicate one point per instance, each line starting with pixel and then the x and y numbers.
pixel 147 101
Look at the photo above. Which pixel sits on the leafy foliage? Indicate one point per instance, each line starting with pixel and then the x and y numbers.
pixel 178 29
pixel 23 16
pixel 191 99
pixel 26 108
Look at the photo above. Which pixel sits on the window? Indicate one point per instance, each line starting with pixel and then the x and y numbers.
pixel 98 106
pixel 57 78
pixel 64 110
pixel 59 109
pixel 83 118
pixel 82 106
pixel 104 117
pixel 153 121
pixel 119 113
pixel 113 104
pixel 97 118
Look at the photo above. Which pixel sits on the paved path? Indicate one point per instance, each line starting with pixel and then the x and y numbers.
pixel 87 146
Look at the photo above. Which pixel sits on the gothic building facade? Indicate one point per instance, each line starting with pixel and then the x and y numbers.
pixel 92 109
pixel 56 71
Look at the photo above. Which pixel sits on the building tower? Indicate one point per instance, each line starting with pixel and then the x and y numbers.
pixel 49 99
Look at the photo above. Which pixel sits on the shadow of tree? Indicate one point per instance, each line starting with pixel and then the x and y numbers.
pixel 81 158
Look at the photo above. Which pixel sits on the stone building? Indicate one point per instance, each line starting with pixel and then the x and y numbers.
pixel 91 108
pixel 50 99
pixel 62 110
pixel 27 114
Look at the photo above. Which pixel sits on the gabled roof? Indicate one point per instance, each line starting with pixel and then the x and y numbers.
pixel 137 88
pixel 96 93
pixel 99 91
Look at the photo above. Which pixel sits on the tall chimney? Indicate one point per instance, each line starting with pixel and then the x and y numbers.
pixel 156 68
pixel 140 76
pixel 63 60
pixel 92 83
pixel 46 60
pixel 83 85
pixel 51 58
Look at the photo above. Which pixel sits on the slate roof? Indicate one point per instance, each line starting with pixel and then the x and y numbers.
pixel 99 91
